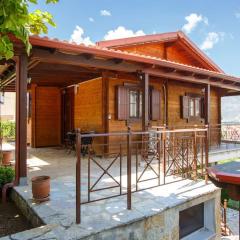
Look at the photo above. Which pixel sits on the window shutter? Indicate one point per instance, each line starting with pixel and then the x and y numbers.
pixel 155 104
pixel 122 103
pixel 185 107
pixel 202 107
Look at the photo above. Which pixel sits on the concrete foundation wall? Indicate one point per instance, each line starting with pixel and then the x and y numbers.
pixel 165 226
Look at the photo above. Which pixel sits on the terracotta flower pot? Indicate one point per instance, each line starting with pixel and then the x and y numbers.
pixel 7 157
pixel 41 188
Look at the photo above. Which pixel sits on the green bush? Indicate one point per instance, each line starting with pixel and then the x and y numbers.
pixel 8 129
pixel 6 175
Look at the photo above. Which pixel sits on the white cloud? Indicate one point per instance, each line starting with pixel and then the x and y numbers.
pixel 105 13
pixel 91 19
pixel 212 39
pixel 192 21
pixel 78 37
pixel 122 32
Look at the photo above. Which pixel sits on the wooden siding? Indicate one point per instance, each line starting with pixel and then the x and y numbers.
pixel 47 116
pixel 172 52
pixel 88 106
pixel 177 89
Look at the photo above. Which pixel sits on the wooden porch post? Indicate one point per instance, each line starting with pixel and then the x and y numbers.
pixel 145 100
pixel 105 108
pixel 207 104
pixel 21 119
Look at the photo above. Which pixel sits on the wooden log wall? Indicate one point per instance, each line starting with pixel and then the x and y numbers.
pixel 46 117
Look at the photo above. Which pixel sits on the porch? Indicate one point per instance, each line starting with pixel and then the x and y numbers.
pixel 130 172
pixel 152 209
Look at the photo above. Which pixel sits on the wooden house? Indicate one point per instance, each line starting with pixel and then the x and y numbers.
pixel 152 80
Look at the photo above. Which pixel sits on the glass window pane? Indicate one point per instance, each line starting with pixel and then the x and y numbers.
pixel 133 103
pixel 191 107
pixel 140 104
pixel 197 107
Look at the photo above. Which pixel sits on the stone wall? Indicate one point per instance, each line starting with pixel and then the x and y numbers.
pixel 164 226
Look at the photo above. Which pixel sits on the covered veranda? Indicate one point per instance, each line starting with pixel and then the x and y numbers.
pixel 73 64
pixel 60 64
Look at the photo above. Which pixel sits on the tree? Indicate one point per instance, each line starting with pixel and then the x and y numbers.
pixel 16 20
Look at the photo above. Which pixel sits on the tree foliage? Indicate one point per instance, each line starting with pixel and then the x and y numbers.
pixel 16 20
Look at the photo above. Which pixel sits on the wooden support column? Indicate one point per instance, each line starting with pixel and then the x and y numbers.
pixel 166 103
pixel 105 108
pixel 207 104
pixel 145 100
pixel 33 116
pixel 21 119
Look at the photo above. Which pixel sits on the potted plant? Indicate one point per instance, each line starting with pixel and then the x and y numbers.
pixel 6 157
pixel 41 188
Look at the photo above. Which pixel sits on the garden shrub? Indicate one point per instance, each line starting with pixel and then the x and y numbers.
pixel 8 129
pixel 6 175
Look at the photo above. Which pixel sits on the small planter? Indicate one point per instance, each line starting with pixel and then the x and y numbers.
pixel 7 157
pixel 41 188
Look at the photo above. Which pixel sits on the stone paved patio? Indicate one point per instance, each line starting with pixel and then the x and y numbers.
pixel 58 214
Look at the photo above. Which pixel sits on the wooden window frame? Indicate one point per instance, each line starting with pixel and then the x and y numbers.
pixel 138 89
pixel 194 97
pixel 138 104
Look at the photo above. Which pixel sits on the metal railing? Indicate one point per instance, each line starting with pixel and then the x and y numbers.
pixel 225 135
pixel 123 163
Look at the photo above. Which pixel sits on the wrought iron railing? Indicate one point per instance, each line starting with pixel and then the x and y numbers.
pixel 122 163
pixel 225 135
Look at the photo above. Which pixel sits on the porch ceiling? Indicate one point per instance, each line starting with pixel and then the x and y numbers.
pixel 60 75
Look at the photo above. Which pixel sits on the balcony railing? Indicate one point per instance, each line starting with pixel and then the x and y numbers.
pixel 123 163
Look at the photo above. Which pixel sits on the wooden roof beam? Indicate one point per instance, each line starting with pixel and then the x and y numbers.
pixel 179 77
pixel 79 60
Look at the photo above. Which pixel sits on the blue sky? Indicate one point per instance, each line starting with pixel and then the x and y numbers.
pixel 214 25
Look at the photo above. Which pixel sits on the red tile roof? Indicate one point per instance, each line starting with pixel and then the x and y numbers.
pixel 163 37
pixel 74 48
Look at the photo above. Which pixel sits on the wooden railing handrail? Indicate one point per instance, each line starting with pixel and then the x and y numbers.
pixel 142 133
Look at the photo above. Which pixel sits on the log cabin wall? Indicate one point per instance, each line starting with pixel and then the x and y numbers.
pixel 171 52
pixel 175 91
pixel 46 118
pixel 88 109
pixel 88 106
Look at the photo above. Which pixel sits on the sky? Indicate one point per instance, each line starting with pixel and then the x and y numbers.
pixel 214 25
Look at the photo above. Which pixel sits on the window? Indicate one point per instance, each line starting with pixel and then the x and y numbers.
pixel 192 106
pixel 135 104
pixel 191 219
pixel 130 101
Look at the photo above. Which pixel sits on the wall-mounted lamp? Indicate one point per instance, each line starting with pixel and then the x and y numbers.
pixel 76 89
pixel 29 80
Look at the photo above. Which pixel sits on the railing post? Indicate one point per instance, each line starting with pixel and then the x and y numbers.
pixel 195 156
pixel 159 142
pixel 129 172
pixel 206 152
pixel 164 154
pixel 225 216
pixel 78 177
